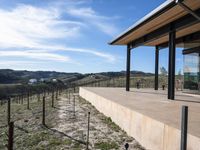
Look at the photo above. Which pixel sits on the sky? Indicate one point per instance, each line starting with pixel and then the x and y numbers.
pixel 73 35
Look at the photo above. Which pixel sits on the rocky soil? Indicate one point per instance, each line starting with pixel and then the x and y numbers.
pixel 66 127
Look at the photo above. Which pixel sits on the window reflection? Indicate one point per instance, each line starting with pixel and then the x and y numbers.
pixel 191 72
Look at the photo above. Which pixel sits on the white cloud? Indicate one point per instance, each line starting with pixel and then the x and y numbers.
pixel 29 26
pixel 87 14
pixel 107 56
pixel 35 55
pixel 25 31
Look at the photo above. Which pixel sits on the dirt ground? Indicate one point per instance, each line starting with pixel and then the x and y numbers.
pixel 66 126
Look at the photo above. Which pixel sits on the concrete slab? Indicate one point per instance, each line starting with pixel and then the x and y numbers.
pixel 148 115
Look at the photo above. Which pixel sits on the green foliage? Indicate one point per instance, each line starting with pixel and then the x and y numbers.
pixel 111 124
pixel 106 145
pixel 163 71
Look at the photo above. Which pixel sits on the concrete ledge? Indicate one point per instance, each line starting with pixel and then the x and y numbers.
pixel 151 133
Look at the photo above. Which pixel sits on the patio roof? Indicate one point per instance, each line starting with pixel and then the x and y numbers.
pixel 153 29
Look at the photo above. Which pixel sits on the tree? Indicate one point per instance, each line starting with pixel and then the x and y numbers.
pixel 163 71
pixel 179 74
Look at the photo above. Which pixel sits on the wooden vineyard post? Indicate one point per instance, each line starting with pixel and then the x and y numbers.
pixel 28 98
pixel 22 99
pixel 43 110
pixel 38 97
pixel 52 102
pixel 74 105
pixel 57 94
pixel 74 89
pixel 10 135
pixel 8 111
pixel 88 131
pixel 69 96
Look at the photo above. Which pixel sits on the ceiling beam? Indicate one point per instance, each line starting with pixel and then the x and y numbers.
pixel 184 39
pixel 178 24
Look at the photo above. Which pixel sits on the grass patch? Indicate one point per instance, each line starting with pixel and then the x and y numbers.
pixel 111 124
pixel 106 145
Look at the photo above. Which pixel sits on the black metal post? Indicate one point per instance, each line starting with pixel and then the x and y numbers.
pixel 10 135
pixel 74 105
pixel 56 93
pixel 28 100
pixel 184 126
pixel 69 96
pixel 171 67
pixel 87 143
pixel 156 67
pixel 43 111
pixel 8 111
pixel 128 62
pixel 52 99
pixel 38 97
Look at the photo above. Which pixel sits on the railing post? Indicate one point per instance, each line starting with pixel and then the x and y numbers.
pixel 184 126
pixel 10 135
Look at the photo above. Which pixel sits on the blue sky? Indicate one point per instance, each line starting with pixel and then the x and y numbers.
pixel 72 35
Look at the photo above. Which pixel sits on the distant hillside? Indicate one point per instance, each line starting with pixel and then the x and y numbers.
pixel 8 76
pixel 123 73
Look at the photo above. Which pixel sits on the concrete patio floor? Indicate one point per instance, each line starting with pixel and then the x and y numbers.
pixel 153 104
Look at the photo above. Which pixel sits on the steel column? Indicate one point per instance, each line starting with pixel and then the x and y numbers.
pixel 184 127
pixel 128 62
pixel 171 67
pixel 156 67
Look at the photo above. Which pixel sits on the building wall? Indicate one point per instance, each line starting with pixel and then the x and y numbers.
pixel 150 133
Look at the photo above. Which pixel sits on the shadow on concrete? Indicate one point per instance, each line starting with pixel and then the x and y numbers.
pixel 148 92
pixel 157 92
pixel 188 101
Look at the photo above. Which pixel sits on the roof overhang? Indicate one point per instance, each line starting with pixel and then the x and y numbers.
pixel 153 29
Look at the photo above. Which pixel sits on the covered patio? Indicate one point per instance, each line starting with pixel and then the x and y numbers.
pixel 147 115
pixel 173 24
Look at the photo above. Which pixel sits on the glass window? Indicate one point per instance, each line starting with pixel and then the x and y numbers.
pixel 191 72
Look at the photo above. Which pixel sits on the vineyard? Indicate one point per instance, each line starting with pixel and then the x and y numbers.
pixel 55 117
pixel 58 120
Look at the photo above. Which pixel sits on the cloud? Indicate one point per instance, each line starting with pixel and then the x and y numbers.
pixel 35 55
pixel 32 32
pixel 29 26
pixel 87 14
pixel 17 62
pixel 107 56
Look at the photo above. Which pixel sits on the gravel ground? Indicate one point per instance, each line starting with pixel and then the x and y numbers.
pixel 65 128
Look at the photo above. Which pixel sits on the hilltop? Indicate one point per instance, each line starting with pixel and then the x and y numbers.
pixel 8 76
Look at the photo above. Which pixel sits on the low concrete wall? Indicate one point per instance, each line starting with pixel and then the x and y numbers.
pixel 149 132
